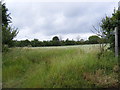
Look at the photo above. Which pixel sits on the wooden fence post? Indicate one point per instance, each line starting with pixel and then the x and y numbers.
pixel 119 32
pixel 117 38
pixel 0 45
pixel 116 42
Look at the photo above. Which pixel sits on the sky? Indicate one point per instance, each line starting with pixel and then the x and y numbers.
pixel 37 19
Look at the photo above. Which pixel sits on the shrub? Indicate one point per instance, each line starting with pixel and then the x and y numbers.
pixel 5 48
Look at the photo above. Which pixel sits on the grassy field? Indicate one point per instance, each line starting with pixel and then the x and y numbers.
pixel 59 67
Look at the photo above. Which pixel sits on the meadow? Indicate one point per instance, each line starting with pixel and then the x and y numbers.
pixel 59 67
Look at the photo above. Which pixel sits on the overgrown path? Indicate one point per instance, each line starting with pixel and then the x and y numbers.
pixel 51 67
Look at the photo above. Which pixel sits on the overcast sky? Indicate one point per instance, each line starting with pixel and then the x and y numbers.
pixel 43 20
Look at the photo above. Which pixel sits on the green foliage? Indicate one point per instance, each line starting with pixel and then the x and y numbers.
pixel 8 33
pixel 5 48
pixel 108 25
pixel 58 67
pixel 6 19
pixel 94 39
pixel 70 42
pixel 55 38
pixel 55 42
pixel 35 43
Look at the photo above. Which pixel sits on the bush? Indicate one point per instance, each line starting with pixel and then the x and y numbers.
pixel 5 48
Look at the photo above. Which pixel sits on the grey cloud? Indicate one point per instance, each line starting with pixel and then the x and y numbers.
pixel 58 18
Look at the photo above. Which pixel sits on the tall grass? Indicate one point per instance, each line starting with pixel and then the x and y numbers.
pixel 58 67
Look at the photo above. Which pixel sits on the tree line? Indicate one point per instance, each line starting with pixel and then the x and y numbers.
pixel 56 42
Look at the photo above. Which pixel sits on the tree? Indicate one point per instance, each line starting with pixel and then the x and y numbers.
pixel 35 43
pixel 94 39
pixel 55 38
pixel 56 41
pixel 6 19
pixel 26 42
pixel 106 31
pixel 108 26
pixel 70 42
pixel 81 40
pixel 8 33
